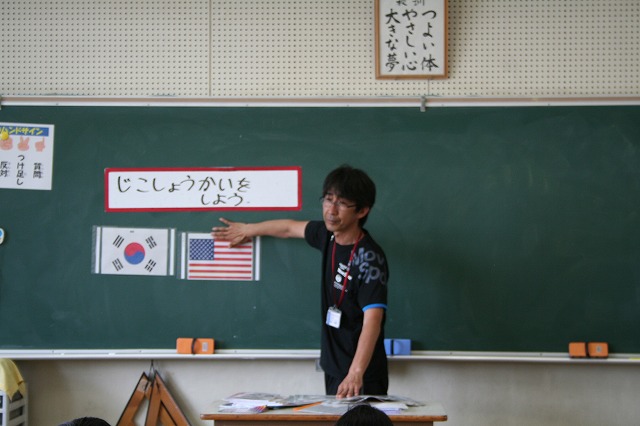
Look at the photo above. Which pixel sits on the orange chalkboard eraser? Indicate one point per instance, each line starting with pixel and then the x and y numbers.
pixel 578 350
pixel 189 345
pixel 598 349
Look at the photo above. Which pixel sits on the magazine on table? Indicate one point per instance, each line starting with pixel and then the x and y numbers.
pixel 389 404
pixel 381 398
pixel 255 402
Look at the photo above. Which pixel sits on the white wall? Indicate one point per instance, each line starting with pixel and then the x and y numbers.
pixel 473 393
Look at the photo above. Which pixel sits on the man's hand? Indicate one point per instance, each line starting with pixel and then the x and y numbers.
pixel 350 386
pixel 235 232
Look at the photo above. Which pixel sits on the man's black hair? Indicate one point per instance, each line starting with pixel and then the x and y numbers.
pixel 353 185
pixel 86 421
pixel 364 415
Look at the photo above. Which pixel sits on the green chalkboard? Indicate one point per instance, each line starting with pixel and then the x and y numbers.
pixel 506 229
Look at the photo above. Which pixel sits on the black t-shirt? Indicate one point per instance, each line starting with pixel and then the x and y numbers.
pixel 366 288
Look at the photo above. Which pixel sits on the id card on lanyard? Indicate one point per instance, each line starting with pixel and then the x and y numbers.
pixel 333 317
pixel 334 314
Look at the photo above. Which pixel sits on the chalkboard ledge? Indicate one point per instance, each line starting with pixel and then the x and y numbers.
pixel 374 101
pixel 147 354
pixel 309 354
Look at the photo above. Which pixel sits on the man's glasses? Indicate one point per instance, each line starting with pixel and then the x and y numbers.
pixel 330 200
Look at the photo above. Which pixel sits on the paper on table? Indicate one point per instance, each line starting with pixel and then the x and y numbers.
pixel 254 399
pixel 327 407
pixel 301 400
pixel 241 409
pixel 382 398
pixel 268 400
pixel 390 407
pixel 387 403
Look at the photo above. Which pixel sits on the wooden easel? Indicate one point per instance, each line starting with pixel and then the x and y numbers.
pixel 162 406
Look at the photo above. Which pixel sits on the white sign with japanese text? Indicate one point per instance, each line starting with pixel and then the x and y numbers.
pixel 188 189
pixel 26 156
pixel 411 39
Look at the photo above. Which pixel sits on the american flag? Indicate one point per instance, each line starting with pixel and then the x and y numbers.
pixel 208 259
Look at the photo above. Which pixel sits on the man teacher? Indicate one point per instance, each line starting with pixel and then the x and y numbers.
pixel 354 281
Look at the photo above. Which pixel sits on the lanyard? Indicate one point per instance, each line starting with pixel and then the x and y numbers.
pixel 346 276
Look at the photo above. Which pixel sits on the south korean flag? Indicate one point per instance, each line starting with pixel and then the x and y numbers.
pixel 133 251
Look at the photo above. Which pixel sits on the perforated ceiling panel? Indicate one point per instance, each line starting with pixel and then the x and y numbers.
pixel 115 48
pixel 311 48
pixel 543 48
pixel 293 48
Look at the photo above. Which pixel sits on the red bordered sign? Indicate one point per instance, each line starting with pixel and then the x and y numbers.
pixel 202 188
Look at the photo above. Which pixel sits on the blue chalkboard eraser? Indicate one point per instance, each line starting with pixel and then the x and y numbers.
pixel 401 346
pixel 1 235
pixel 388 346
pixel 397 346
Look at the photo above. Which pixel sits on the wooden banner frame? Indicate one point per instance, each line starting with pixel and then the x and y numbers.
pixel 411 39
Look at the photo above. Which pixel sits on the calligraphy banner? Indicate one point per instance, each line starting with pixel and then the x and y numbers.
pixel 411 39
pixel 189 189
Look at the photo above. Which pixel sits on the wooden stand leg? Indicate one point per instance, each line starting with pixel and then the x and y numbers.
pixel 162 407
pixel 142 391
pixel 168 405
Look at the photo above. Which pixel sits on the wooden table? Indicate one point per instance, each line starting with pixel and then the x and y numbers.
pixel 423 415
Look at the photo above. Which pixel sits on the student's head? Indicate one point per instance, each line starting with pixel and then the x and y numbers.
pixel 86 421
pixel 364 415
pixel 351 185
